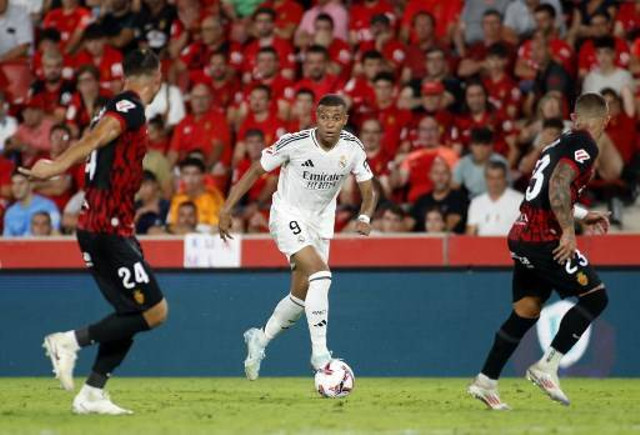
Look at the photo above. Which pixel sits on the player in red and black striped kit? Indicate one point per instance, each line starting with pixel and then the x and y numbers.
pixel 113 149
pixel 543 246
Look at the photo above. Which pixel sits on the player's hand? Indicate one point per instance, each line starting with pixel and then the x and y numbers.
pixel 224 225
pixel 566 249
pixel 363 228
pixel 42 170
pixel 597 221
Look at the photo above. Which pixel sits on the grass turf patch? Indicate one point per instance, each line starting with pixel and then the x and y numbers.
pixel 290 405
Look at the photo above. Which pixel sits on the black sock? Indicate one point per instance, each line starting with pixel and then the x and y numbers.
pixel 110 355
pixel 578 319
pixel 506 341
pixel 115 327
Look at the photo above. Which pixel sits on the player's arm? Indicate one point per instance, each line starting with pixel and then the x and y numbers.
pixel 235 195
pixel 107 130
pixel 560 200
pixel 368 206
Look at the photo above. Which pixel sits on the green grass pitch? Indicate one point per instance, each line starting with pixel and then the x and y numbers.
pixel 290 406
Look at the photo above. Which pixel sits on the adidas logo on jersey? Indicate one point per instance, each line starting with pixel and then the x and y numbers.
pixel 308 164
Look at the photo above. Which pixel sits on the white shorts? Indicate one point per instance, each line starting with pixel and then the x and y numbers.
pixel 291 234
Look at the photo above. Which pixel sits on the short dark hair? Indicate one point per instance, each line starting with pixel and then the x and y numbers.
pixel 190 204
pixel 157 121
pixel 332 100
pixel 306 91
pixel 317 49
pixel 556 123
pixel 93 31
pixel 481 136
pixel 498 49
pixel 254 132
pixel 606 42
pixel 497 164
pixel 611 92
pixel 547 8
pixel 423 14
pixel 327 18
pixel 262 87
pixel 591 103
pixel 381 19
pixel 493 12
pixel 395 209
pixel 42 213
pixel 385 76
pixel 149 176
pixel 89 68
pixel 50 34
pixel 141 61
pixel 372 54
pixel 269 49
pixel 61 126
pixel 265 11
pixel 601 13
pixel 194 163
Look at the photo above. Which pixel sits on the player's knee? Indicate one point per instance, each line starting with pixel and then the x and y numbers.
pixel 595 302
pixel 157 314
pixel 528 308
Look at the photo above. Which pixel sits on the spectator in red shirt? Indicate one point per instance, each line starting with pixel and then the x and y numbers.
pixel 105 58
pixel 288 16
pixel 32 137
pixel 473 58
pixel 446 15
pixel 49 39
pixel 478 112
pixel 359 90
pixel 84 102
pixel 302 114
pixel 221 78
pixel 621 128
pixel 384 41
pixel 561 52
pixel 600 26
pixel 206 130
pixel 54 91
pixel 265 36
pixel 267 72
pixel 360 15
pixel 6 169
pixel 395 121
pixel 504 93
pixel 422 27
pixel 196 56
pixel 627 20
pixel 260 116
pixel 61 188
pixel 70 20
pixel 340 57
pixel 430 103
pixel 260 193
pixel 315 72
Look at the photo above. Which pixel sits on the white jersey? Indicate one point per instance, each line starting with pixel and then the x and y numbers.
pixel 311 178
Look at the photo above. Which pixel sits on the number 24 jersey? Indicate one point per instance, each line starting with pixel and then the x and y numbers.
pixel 537 221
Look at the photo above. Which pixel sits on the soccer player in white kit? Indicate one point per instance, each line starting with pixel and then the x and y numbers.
pixel 314 164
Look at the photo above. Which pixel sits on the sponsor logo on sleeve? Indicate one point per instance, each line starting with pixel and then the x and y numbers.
pixel 581 156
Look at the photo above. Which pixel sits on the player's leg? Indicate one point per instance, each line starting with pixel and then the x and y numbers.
pixel 284 316
pixel 310 262
pixel 529 295
pixel 572 278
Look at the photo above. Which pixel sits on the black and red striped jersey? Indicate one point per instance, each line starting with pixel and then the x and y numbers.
pixel 114 171
pixel 537 221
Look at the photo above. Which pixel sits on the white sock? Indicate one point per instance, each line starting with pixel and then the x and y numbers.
pixel 284 316
pixel 88 390
pixel 486 380
pixel 73 340
pixel 317 310
pixel 551 359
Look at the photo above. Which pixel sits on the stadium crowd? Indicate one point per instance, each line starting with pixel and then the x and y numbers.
pixel 452 100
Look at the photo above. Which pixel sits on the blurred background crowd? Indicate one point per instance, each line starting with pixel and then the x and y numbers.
pixel 453 101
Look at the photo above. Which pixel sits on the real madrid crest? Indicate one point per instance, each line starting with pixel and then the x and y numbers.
pixel 343 161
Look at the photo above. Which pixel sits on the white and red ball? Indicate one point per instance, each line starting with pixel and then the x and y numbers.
pixel 336 379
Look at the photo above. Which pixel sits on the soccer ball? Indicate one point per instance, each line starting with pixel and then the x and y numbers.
pixel 336 379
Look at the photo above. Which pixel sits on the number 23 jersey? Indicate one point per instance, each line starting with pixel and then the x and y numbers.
pixel 114 171
pixel 311 178
pixel 537 221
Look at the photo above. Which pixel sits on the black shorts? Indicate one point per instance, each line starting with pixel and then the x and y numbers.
pixel 118 266
pixel 536 273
